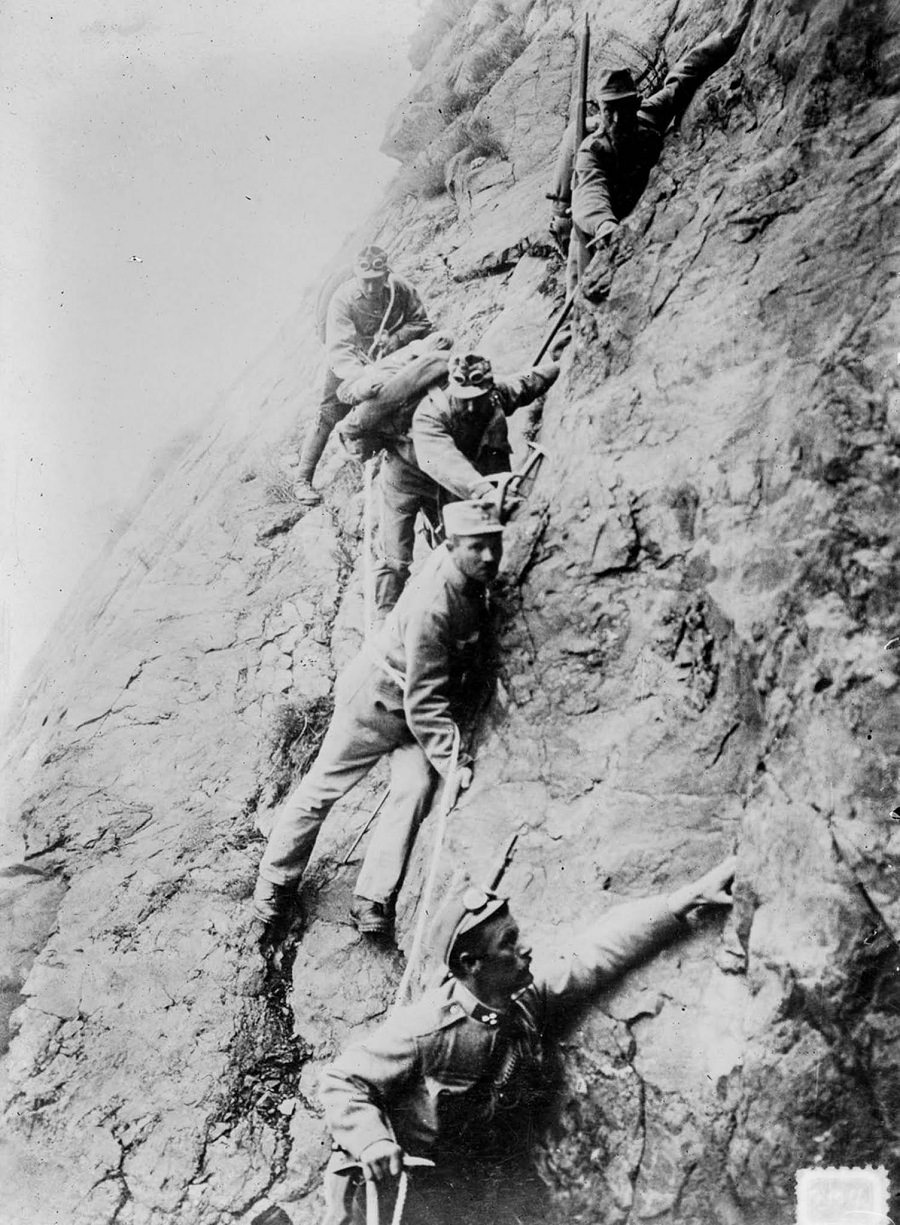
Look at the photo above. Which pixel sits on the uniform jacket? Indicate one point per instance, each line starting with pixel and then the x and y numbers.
pixel 352 323
pixel 434 642
pixel 446 1076
pixel 450 436
pixel 608 182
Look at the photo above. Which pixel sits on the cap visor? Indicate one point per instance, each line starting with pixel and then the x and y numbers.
pixel 619 96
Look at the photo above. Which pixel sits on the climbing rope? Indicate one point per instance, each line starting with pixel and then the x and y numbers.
pixel 368 543
pixel 384 317
pixel 448 799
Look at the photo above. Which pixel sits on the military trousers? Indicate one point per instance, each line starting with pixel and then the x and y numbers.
pixel 331 411
pixel 403 492
pixel 455 1195
pixel 363 729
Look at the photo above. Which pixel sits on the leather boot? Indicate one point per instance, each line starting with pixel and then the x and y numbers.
pixel 313 446
pixel 371 918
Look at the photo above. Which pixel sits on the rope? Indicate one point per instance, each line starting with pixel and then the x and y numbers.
pixel 373 1216
pixel 385 316
pixel 448 799
pixel 368 534
pixel 400 1202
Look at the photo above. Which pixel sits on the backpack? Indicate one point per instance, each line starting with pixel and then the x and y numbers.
pixel 326 292
pixel 378 421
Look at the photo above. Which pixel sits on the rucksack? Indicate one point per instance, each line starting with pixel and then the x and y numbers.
pixel 326 293
pixel 384 417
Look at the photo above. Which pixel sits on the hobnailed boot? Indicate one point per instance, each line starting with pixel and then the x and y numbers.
pixel 371 918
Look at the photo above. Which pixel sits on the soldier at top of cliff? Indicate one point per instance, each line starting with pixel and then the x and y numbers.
pixel 459 1077
pixel 613 165
pixel 374 313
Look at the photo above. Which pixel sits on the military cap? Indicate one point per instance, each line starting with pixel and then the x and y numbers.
pixel 462 911
pixel 470 376
pixel 372 262
pixel 617 85
pixel 470 519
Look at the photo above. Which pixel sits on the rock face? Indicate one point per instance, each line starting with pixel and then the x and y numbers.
pixel 699 653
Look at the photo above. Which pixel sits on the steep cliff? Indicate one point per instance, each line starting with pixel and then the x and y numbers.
pixel 699 653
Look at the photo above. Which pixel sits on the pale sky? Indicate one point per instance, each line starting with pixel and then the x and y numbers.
pixel 173 176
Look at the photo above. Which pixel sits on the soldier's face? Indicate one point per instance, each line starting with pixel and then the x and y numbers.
pixel 372 286
pixel 478 557
pixel 620 118
pixel 504 964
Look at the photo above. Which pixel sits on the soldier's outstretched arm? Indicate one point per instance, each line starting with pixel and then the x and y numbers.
pixel 735 32
pixel 630 933
pixel 669 104
pixel 522 389
pixel 711 889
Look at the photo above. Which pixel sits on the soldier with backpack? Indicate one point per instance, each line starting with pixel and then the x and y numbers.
pixel 372 314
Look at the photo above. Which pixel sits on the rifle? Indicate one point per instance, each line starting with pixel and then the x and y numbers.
pixel 579 106
pixel 580 87
pixel 578 110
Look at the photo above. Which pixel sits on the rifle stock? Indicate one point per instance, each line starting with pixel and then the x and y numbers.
pixel 579 99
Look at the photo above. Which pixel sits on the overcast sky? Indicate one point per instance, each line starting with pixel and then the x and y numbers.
pixel 173 176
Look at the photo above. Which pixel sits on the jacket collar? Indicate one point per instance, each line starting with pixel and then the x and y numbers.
pixel 474 1008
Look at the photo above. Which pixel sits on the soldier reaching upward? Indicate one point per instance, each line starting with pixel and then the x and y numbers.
pixel 458 1075
pixel 612 166
pixel 375 313
pixel 403 695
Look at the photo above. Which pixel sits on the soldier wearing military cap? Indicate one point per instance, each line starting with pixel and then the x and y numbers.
pixel 458 438
pixel 403 695
pixel 461 1075
pixel 612 166
pixel 373 314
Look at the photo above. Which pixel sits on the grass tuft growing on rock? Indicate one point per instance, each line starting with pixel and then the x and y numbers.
pixel 487 66
pixel 298 729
